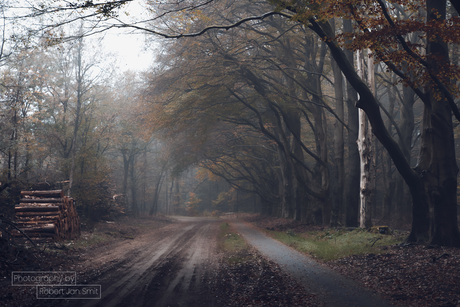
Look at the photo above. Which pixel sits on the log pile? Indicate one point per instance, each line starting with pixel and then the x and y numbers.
pixel 47 215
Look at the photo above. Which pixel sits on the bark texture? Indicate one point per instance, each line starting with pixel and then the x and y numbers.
pixel 437 165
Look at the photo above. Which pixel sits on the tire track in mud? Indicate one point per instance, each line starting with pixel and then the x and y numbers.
pixel 185 287
pixel 171 271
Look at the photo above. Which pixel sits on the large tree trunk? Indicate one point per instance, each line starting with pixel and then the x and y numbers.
pixel 406 128
pixel 352 180
pixel 388 183
pixel 339 163
pixel 437 165
pixel 369 104
pixel 366 148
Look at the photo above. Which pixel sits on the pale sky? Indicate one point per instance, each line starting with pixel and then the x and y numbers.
pixel 129 48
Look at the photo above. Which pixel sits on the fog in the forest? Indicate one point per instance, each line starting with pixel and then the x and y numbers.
pixel 114 104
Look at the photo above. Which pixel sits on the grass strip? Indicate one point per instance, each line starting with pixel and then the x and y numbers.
pixel 232 244
pixel 332 244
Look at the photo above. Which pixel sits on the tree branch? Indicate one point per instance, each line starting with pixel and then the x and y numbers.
pixel 436 80
pixel 213 27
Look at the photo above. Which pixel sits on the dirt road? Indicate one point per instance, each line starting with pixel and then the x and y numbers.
pixel 178 265
pixel 170 269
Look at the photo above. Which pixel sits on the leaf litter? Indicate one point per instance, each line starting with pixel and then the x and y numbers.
pixel 408 275
pixel 258 282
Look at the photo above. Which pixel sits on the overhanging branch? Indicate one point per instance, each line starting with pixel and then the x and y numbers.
pixel 213 27
pixel 444 90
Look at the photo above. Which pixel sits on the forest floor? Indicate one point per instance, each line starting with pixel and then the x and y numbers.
pixel 188 270
pixel 410 275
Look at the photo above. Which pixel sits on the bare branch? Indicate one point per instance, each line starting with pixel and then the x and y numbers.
pixel 213 27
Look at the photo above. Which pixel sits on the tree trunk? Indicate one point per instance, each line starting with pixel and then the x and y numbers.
pixel 287 176
pixel 176 197
pixel 388 183
pixel 293 116
pixel 367 154
pixel 126 161
pixel 79 79
pixel 134 205
pixel 437 165
pixel 293 124
pixel 156 196
pixel 339 163
pixel 171 197
pixel 406 128
pixel 368 103
pixel 320 125
pixel 352 180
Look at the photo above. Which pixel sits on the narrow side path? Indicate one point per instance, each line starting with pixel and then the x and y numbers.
pixel 331 287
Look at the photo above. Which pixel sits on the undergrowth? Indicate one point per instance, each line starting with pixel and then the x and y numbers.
pixel 88 240
pixel 332 244
pixel 105 232
pixel 232 244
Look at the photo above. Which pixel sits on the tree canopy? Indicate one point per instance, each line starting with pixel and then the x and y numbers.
pixel 252 92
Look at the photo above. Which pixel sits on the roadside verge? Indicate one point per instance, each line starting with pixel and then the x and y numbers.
pixel 331 287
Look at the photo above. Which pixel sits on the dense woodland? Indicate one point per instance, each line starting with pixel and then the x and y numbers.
pixel 337 113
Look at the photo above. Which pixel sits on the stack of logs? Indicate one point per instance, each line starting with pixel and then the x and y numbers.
pixel 47 215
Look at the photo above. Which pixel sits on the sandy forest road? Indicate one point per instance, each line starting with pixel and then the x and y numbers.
pixel 170 268
pixel 176 266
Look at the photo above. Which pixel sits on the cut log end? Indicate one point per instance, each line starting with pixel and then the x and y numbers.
pixel 47 214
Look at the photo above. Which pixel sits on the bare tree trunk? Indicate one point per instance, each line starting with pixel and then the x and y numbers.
pixel 294 126
pixel 133 188
pixel 339 163
pixel 171 196
pixel 367 154
pixel 166 205
pixel 156 196
pixel 287 175
pixel 126 161
pixel 79 79
pixel 406 127
pixel 353 173
pixel 320 126
pixel 388 182
pixel 144 183
pixel 175 196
